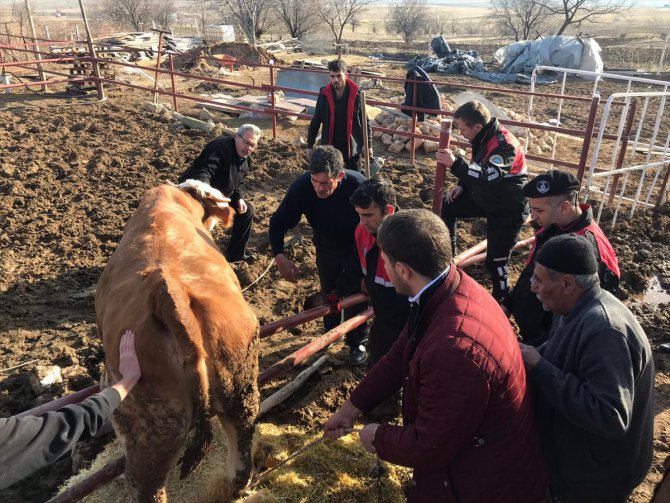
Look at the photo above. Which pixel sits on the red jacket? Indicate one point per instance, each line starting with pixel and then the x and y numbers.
pixel 464 382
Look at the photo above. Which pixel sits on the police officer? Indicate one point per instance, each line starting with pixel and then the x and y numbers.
pixel 490 185
pixel 554 207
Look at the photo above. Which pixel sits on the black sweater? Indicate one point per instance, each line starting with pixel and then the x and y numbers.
pixel 33 442
pixel 220 166
pixel 333 220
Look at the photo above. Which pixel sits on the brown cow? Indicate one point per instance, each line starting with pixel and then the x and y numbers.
pixel 196 338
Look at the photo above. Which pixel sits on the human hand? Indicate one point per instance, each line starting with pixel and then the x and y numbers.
pixel 287 268
pixel 454 193
pixel 129 366
pixel 446 157
pixel 370 153
pixel 333 300
pixel 530 355
pixel 241 206
pixel 367 437
pixel 340 423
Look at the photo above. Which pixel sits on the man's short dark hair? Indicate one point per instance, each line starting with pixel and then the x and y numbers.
pixel 337 65
pixel 378 190
pixel 473 112
pixel 418 238
pixel 326 159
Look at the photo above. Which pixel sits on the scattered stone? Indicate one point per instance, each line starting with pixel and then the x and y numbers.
pixel 42 376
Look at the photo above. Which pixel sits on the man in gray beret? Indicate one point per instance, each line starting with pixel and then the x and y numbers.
pixel 592 381
pixel 554 207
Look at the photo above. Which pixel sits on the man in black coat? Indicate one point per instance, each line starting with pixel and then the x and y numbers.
pixel 339 114
pixel 223 164
pixel 322 196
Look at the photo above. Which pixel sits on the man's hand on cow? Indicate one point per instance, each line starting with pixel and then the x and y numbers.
pixel 530 355
pixel 129 365
pixel 287 268
pixel 341 423
pixel 241 206
pixel 454 193
pixel 367 437
pixel 446 157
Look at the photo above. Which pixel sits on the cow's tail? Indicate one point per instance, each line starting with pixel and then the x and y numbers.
pixel 171 305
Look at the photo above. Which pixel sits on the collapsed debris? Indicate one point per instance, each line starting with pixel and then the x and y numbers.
pixel 447 60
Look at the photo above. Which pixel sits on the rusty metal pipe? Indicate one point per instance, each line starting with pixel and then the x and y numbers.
pixel 441 169
pixel 61 402
pixel 309 315
pixel 316 345
pixel 98 479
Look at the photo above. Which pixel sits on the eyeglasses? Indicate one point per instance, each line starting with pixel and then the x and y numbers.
pixel 247 142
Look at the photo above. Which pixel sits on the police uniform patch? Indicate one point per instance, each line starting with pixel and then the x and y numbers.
pixel 543 186
pixel 497 160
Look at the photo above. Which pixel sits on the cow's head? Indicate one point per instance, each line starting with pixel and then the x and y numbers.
pixel 215 203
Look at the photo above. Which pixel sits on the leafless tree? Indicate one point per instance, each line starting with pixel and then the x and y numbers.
pixel 252 15
pixel 20 14
pixel 299 16
pixel 407 17
pixel 441 22
pixel 521 18
pixel 133 13
pixel 163 12
pixel 576 12
pixel 339 13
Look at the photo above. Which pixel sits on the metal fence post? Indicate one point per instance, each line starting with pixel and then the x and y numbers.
pixel 441 169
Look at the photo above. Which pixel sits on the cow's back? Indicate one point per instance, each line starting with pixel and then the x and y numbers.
pixel 195 334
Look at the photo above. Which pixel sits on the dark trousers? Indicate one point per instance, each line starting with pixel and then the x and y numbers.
pixel 240 232
pixel 381 338
pixel 331 265
pixel 354 163
pixel 502 230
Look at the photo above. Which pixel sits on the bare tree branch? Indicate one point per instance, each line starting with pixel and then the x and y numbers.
pixel 338 13
pixel 298 16
pixel 575 12
pixel 521 18
pixel 407 17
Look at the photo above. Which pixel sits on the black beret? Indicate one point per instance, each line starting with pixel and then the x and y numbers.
pixel 569 254
pixel 551 183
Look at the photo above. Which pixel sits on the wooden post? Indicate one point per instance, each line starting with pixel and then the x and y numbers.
pixel 38 54
pixel 174 87
pixel 91 51
pixel 158 60
pixel 366 146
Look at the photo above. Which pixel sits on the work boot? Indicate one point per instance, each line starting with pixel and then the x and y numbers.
pixel 249 258
pixel 357 354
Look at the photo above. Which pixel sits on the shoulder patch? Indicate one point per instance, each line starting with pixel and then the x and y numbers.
pixel 497 160
pixel 501 138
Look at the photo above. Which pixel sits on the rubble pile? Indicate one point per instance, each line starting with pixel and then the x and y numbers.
pixel 449 61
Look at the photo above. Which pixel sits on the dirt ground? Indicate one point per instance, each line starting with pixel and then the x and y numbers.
pixel 71 176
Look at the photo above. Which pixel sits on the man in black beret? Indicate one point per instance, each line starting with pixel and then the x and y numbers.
pixel 592 380
pixel 554 207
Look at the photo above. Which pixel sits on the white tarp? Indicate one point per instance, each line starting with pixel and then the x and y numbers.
pixel 560 51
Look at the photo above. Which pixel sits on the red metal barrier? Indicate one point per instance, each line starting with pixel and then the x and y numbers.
pixel 287 363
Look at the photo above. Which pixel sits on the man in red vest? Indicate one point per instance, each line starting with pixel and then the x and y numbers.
pixel 339 114
pixel 490 186
pixel 554 207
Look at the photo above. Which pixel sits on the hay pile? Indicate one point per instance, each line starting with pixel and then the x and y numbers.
pixel 336 471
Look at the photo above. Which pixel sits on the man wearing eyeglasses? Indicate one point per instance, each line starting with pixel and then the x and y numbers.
pixel 554 207
pixel 223 164
pixel 339 114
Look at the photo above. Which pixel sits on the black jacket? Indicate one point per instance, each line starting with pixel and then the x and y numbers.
pixel 220 166
pixel 323 115
pixel 495 177
pixel 333 220
pixel 534 322
pixel 427 95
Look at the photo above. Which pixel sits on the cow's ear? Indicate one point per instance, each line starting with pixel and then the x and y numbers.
pixel 226 214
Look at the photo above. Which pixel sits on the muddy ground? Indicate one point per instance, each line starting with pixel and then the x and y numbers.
pixel 71 176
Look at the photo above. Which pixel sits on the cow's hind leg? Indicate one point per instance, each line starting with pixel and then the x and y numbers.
pixel 239 433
